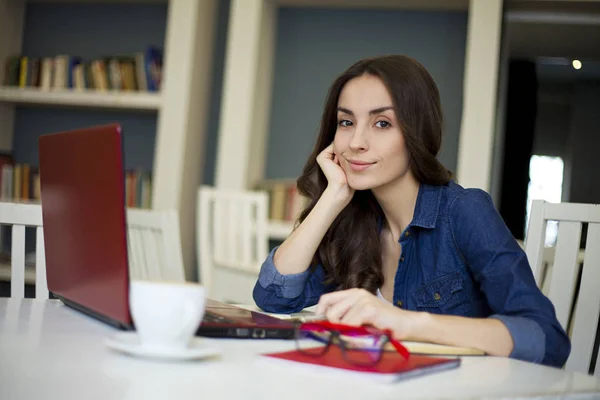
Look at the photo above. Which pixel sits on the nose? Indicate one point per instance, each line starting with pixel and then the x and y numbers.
pixel 358 142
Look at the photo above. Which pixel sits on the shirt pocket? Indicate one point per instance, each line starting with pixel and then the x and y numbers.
pixel 444 295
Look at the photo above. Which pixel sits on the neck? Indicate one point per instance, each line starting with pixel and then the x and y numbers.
pixel 397 200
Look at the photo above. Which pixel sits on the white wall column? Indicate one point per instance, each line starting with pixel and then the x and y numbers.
pixel 500 117
pixel 475 147
pixel 178 160
pixel 246 101
pixel 12 15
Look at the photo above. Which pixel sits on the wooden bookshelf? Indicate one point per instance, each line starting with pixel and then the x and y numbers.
pixel 187 60
pixel 82 98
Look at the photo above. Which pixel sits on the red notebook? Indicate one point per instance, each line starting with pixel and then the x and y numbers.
pixel 392 365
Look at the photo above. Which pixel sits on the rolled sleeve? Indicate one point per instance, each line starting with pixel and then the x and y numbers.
pixel 528 338
pixel 291 285
pixel 279 293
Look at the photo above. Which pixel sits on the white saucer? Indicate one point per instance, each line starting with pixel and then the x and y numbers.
pixel 129 343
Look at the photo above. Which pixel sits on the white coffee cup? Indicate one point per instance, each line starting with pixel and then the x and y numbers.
pixel 166 314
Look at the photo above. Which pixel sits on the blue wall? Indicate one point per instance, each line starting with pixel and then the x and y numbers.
pixel 313 47
pixel 316 45
pixel 90 31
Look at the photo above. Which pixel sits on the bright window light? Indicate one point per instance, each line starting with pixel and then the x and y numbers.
pixel 545 183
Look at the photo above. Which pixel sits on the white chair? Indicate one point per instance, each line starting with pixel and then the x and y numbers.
pixel 232 241
pixel 154 245
pixel 20 216
pixel 583 321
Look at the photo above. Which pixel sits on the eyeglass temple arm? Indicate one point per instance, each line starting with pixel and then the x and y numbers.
pixel 400 348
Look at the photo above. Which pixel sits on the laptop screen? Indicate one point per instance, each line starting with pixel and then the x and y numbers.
pixel 83 208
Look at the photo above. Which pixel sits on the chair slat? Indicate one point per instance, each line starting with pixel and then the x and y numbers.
pixel 205 233
pixel 573 212
pixel 21 214
pixel 536 233
pixel 142 256
pixel 41 283
pixel 171 239
pixel 231 234
pixel 17 255
pixel 142 269
pixel 151 253
pixel 161 262
pixel 133 261
pixel 586 316
pixel 246 234
pixel 261 236
pixel 218 229
pixel 562 286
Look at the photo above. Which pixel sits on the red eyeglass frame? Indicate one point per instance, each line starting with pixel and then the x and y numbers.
pixel 324 326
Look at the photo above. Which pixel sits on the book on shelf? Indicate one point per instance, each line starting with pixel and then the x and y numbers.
pixel 140 72
pixel 285 202
pixel 138 189
pixel 20 183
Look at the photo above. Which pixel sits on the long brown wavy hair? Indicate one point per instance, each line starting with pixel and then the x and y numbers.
pixel 350 252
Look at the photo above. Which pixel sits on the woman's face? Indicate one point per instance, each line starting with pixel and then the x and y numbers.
pixel 368 139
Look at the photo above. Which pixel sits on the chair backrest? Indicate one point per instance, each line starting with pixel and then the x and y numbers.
pixel 232 235
pixel 19 216
pixel 154 245
pixel 564 276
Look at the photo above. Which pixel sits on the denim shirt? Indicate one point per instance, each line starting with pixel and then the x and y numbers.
pixel 458 258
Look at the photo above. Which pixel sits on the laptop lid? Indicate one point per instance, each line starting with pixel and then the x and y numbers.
pixel 83 208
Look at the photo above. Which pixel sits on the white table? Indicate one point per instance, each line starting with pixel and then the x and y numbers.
pixel 49 351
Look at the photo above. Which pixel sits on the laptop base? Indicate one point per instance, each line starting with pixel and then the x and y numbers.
pixel 102 318
pixel 245 333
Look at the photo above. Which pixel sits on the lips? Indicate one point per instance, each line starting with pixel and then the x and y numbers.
pixel 358 166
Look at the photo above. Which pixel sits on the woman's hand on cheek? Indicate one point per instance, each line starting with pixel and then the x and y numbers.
pixel 337 181
pixel 358 307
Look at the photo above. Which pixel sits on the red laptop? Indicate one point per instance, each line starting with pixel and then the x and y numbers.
pixel 83 206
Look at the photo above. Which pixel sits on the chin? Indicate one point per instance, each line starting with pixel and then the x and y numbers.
pixel 360 184
pixel 370 183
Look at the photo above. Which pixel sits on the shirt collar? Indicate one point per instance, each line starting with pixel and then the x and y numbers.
pixel 427 207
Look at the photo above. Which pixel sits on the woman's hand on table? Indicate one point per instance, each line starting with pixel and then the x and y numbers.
pixel 358 307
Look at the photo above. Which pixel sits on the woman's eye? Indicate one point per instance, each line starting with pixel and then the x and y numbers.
pixel 382 124
pixel 344 123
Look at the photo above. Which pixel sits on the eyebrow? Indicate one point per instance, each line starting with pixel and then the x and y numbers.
pixel 372 112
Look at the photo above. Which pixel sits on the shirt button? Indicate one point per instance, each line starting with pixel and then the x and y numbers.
pixel 401 259
pixel 399 303
pixel 407 233
pixel 436 296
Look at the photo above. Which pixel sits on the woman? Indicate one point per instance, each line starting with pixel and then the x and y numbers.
pixel 389 240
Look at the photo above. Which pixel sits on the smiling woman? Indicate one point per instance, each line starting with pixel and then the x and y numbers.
pixel 389 240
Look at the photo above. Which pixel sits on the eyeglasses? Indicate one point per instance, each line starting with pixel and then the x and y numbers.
pixel 362 346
